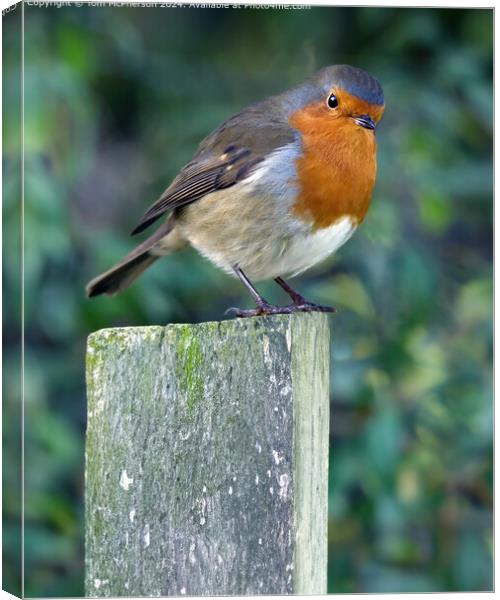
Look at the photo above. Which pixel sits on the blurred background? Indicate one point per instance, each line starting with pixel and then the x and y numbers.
pixel 116 101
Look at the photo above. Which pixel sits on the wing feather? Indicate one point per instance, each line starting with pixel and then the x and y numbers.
pixel 207 173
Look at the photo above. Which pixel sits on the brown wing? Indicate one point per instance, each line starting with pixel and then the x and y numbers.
pixel 204 174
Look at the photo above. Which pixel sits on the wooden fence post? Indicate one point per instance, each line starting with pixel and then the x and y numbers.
pixel 207 458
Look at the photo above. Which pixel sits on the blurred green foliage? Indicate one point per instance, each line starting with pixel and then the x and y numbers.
pixel 116 100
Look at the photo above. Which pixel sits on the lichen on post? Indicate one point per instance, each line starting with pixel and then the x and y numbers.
pixel 207 458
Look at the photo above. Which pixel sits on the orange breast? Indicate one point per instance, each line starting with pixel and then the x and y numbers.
pixel 337 170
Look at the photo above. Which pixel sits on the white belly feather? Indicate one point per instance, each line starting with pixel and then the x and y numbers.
pixel 308 249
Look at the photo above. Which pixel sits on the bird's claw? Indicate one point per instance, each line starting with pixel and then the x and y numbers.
pixel 311 307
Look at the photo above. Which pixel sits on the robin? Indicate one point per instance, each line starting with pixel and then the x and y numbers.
pixel 273 190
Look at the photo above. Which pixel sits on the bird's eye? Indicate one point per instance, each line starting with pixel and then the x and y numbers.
pixel 332 101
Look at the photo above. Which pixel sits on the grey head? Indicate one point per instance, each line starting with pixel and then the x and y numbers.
pixel 351 79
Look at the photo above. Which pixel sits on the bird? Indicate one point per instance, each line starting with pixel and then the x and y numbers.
pixel 272 191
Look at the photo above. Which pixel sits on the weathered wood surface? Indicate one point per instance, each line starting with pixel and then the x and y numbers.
pixel 207 458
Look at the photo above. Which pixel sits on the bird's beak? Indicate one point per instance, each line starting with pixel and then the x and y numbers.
pixel 365 121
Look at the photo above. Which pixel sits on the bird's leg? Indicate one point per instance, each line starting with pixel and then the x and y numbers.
pixel 299 301
pixel 259 300
pixel 264 308
pixel 295 296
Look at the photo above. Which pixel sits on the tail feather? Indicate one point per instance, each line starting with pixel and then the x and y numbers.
pixel 120 276
pixel 129 268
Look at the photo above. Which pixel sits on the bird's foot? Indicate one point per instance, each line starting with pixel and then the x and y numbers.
pixel 305 306
pixel 265 308
pixel 300 302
